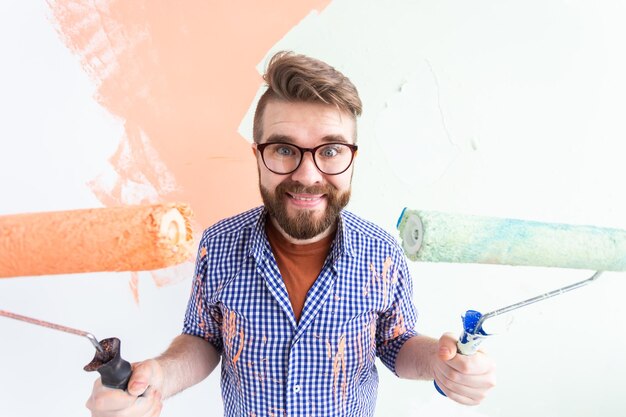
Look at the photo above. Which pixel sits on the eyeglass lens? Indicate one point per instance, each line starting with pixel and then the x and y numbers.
pixel 283 158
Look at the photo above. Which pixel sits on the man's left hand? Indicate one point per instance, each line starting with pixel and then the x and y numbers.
pixel 464 379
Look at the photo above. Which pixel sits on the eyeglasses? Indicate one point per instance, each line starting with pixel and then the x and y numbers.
pixel 284 158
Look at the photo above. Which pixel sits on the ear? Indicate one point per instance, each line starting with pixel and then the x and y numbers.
pixel 253 148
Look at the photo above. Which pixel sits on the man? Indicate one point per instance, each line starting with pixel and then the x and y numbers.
pixel 298 297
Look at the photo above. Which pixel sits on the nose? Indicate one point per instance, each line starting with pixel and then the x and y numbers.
pixel 307 173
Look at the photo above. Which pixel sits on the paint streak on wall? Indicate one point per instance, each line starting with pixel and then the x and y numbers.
pixel 181 76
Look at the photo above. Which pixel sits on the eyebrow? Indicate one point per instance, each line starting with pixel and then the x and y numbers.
pixel 288 139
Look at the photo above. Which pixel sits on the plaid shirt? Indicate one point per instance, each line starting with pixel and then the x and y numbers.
pixel 359 307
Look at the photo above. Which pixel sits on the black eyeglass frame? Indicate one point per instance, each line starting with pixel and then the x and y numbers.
pixel 261 148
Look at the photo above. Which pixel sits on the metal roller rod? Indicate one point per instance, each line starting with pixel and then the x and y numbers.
pixel 534 300
pixel 54 326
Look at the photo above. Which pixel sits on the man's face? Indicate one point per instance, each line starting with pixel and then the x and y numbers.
pixel 306 202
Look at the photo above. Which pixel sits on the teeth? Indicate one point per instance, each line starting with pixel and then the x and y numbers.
pixel 304 198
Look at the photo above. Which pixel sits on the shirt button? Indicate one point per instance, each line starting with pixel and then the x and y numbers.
pixel 296 388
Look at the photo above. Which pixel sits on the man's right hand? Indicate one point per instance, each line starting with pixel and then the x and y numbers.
pixel 142 399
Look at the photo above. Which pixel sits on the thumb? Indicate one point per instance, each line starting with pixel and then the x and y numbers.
pixel 140 378
pixel 447 347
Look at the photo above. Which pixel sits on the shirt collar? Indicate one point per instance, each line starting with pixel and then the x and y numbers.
pixel 343 243
pixel 259 244
pixel 258 240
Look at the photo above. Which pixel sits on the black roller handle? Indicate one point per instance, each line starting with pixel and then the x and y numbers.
pixel 115 371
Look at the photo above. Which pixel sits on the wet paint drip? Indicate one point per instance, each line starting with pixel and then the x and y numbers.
pixel 382 281
pixel 199 296
pixel 199 306
pixel 133 283
pixel 400 327
pixel 231 334
pixel 340 383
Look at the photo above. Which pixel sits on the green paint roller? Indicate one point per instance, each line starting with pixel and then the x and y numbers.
pixel 443 237
pixel 432 236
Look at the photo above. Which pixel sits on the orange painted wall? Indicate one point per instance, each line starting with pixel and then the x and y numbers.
pixel 181 76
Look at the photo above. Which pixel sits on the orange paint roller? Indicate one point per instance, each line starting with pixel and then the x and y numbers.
pixel 127 238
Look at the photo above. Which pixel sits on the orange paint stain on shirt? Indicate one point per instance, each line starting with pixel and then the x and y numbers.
pixel 277 412
pixel 400 327
pixel 197 287
pixel 373 333
pixel 230 335
pixel 339 374
pixel 381 281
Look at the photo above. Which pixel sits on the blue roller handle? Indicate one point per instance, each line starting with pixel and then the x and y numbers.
pixel 470 339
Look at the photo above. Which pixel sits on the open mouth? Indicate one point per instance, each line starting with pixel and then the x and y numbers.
pixel 306 200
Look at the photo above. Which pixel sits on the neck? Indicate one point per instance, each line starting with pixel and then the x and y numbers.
pixel 295 241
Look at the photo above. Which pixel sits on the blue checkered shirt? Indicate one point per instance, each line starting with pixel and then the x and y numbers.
pixel 359 308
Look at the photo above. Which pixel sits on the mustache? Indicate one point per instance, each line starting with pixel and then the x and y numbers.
pixel 298 188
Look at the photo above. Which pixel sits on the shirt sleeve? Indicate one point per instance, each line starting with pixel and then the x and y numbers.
pixel 203 319
pixel 397 324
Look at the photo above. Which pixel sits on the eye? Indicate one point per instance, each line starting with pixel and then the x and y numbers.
pixel 284 150
pixel 330 151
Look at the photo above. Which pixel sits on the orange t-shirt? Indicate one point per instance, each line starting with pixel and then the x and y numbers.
pixel 299 265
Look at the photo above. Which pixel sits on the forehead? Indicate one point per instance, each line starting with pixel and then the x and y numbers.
pixel 306 123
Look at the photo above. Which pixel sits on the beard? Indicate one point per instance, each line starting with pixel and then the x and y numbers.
pixel 305 224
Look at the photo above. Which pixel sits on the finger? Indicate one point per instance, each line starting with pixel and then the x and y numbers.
pixel 104 399
pixel 149 404
pixel 447 347
pixel 156 405
pixel 462 397
pixel 460 382
pixel 476 371
pixel 465 389
pixel 140 378
pixel 477 364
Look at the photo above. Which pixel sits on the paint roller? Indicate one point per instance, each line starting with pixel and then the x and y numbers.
pixel 431 236
pixel 125 238
pixel 128 238
pixel 114 371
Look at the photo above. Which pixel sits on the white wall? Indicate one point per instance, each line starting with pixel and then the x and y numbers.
pixel 500 108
